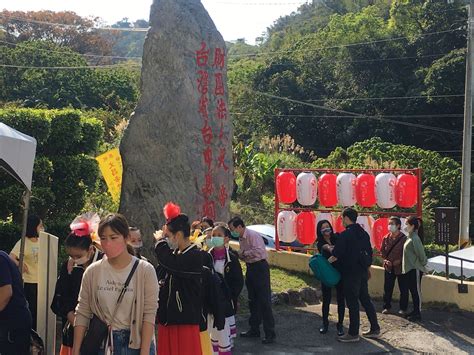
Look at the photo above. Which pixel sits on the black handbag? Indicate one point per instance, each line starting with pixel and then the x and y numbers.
pixel 68 334
pixel 98 329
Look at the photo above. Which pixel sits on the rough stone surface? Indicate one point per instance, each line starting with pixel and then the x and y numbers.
pixel 165 146
pixel 294 298
pixel 310 295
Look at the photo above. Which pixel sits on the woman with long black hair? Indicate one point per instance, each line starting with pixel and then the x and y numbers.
pixel 325 242
pixel 180 268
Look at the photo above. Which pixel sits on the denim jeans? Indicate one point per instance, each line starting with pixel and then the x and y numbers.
pixel 121 341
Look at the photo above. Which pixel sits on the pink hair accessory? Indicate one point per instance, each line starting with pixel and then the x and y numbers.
pixel 86 224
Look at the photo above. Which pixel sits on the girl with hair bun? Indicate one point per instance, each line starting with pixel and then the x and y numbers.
pixel 82 252
pixel 414 263
pixel 180 267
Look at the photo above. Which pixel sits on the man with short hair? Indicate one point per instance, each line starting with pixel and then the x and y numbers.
pixel 257 279
pixel 354 252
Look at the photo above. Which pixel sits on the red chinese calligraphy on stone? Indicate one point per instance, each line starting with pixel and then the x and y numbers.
pixel 221 159
pixel 206 133
pixel 207 154
pixel 223 195
pixel 209 209
pixel 203 107
pixel 208 187
pixel 221 109
pixel 219 90
pixel 202 55
pixel 221 132
pixel 203 82
pixel 219 58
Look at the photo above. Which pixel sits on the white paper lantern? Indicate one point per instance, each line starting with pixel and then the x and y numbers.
pixel 346 193
pixel 306 189
pixel 385 190
pixel 286 226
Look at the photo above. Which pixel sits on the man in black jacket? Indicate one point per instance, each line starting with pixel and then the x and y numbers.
pixel 354 252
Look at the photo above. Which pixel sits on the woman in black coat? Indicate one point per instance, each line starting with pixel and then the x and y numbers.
pixel 82 253
pixel 326 240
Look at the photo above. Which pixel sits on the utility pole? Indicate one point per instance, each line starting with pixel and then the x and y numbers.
pixel 467 134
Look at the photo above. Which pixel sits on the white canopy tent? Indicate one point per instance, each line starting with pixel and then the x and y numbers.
pixel 17 157
pixel 438 263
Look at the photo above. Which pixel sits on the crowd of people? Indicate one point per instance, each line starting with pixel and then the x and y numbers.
pixel 112 300
pixel 350 252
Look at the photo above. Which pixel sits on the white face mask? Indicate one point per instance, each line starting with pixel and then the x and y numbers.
pixel 82 261
pixel 393 228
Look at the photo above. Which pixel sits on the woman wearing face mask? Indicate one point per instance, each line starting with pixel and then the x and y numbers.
pixel 131 318
pixel 136 242
pixel 180 268
pixel 414 263
pixel 81 253
pixel 392 253
pixel 226 264
pixel 30 263
pixel 325 242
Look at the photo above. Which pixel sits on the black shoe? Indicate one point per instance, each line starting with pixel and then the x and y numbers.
pixel 250 334
pixel 414 317
pixel 269 339
pixel 323 329
pixel 340 330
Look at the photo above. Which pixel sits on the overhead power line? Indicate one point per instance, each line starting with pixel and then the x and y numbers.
pixel 74 26
pixel 387 98
pixel 346 45
pixel 105 66
pixel 357 115
pixel 261 3
pixel 455 115
pixel 72 53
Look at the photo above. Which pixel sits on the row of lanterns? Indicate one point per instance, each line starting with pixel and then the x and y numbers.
pixel 386 190
pixel 302 226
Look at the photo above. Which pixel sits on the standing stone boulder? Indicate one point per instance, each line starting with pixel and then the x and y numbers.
pixel 177 146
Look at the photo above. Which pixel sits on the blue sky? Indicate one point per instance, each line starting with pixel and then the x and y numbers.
pixel 234 18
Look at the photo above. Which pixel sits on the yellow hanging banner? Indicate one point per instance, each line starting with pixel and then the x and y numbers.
pixel 110 164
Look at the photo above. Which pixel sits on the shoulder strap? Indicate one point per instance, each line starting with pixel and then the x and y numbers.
pixel 394 245
pixel 124 289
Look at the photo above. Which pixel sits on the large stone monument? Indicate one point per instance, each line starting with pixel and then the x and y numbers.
pixel 177 146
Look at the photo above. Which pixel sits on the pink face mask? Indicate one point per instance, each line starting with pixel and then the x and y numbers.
pixel 113 249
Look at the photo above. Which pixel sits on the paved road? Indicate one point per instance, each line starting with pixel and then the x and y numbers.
pixel 297 331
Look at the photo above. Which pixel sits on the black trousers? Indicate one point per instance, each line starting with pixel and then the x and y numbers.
pixel 414 285
pixel 356 288
pixel 257 280
pixel 389 284
pixel 341 304
pixel 31 295
pixel 15 342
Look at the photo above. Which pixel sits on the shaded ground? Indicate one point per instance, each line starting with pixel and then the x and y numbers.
pixel 298 333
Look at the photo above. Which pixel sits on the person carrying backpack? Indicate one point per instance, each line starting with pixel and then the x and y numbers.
pixel 354 253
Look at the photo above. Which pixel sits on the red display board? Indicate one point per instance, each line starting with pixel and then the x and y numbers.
pixel 364 188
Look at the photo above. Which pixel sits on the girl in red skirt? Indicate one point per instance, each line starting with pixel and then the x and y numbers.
pixel 179 274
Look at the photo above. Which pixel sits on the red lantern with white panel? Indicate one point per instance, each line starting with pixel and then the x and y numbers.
pixel 306 227
pixel 287 226
pixel 365 190
pixel 379 231
pixel 338 226
pixel 346 193
pixel 306 189
pixel 406 190
pixel 327 187
pixel 286 187
pixel 385 190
